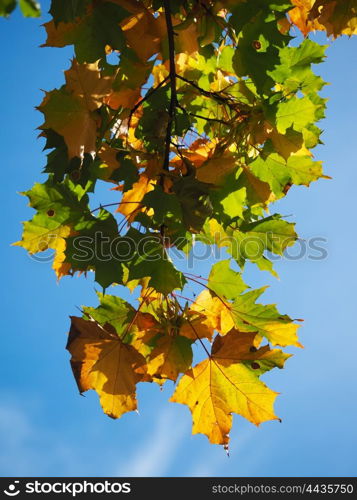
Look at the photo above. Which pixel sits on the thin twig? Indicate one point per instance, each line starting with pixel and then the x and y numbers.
pixel 207 93
pixel 114 204
pixel 207 118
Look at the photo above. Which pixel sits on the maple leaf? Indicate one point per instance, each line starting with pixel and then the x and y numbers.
pixel 113 310
pixel 140 328
pixel 252 239
pixel 29 8
pixel 67 11
pixel 215 168
pixel 294 71
pixel 85 252
pixel 143 33
pixel 256 23
pixel 257 191
pixel 227 382
pixel 337 17
pixel 279 173
pixel 225 282
pixel 59 209
pixel 87 83
pixel 96 28
pixel 194 326
pixel 246 315
pixel 151 260
pixel 103 362
pixel 171 356
pixel 296 113
pixel 247 240
pixel 68 116
pixel 131 201
pixel 299 15
pixel 6 7
pixel 69 111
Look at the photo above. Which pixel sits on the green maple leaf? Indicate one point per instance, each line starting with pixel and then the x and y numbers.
pixel 30 8
pixel 225 282
pixel 252 240
pixel 59 207
pixel 278 173
pixel 248 316
pixel 6 7
pixel 294 71
pixel 166 207
pixel 113 310
pixel 276 233
pixel 259 44
pixel 195 203
pixel 170 356
pixel 153 124
pixel 296 113
pixel 57 160
pixel 150 260
pixel 95 247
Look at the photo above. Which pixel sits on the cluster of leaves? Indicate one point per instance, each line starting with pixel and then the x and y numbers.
pixel 199 114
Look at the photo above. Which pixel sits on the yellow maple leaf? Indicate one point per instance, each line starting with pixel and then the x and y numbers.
pixel 69 116
pixel 216 168
pixel 258 191
pixel 130 204
pixel 143 32
pixel 336 17
pixel 101 361
pixel 125 98
pixel 299 16
pixel 195 326
pixel 86 82
pixel 70 112
pixel 216 311
pixel 59 265
pixel 108 156
pixel 227 383
pixel 131 201
pixel 212 164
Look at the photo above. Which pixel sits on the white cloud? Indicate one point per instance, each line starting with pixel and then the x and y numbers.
pixel 155 456
pixel 28 449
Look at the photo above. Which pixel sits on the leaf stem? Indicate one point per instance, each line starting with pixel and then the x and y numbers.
pixel 194 331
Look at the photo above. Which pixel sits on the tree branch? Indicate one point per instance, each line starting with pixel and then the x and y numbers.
pixel 173 99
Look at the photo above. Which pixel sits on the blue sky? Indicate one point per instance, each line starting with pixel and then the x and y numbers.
pixel 47 429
